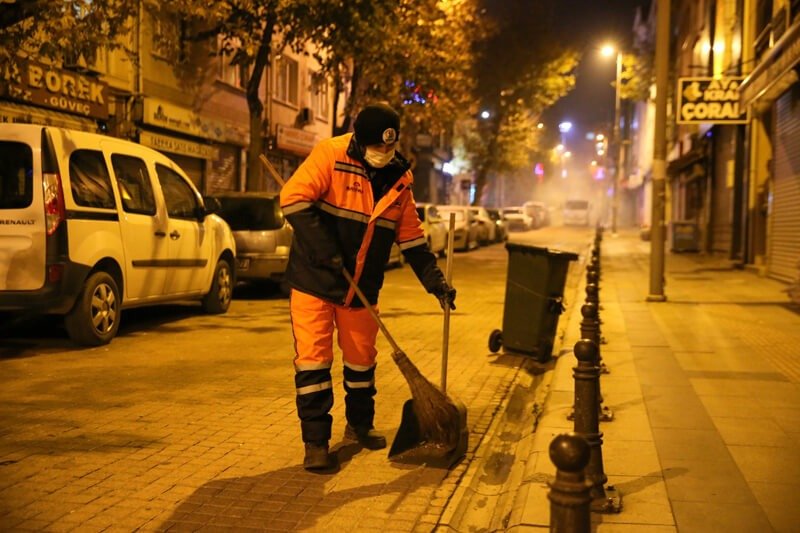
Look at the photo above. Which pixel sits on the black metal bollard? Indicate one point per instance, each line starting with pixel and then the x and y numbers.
pixel 590 329
pixel 594 262
pixel 569 491
pixel 587 424
pixel 593 296
pixel 591 275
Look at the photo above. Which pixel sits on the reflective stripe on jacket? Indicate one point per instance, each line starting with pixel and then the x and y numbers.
pixel 329 202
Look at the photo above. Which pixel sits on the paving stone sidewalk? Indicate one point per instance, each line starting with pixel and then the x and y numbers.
pixel 705 389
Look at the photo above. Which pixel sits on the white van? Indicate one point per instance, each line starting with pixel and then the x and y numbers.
pixel 91 225
pixel 577 213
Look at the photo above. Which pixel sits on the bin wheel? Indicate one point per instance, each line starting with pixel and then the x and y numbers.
pixel 495 340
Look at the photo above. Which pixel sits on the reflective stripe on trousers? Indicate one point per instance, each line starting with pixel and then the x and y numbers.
pixel 313 323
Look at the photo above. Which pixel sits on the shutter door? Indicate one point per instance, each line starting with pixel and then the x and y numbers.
pixel 784 229
pixel 193 167
pixel 224 172
pixel 721 211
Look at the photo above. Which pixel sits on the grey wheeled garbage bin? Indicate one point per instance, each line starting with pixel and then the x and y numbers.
pixel 534 300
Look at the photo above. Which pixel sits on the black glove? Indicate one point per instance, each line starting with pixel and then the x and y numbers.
pixel 334 263
pixel 446 295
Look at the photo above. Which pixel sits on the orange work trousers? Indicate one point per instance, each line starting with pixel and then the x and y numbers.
pixel 313 323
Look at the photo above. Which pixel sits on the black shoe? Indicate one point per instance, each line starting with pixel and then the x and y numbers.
pixel 317 456
pixel 367 437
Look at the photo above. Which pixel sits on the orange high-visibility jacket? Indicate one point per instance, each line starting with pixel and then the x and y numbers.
pixel 329 202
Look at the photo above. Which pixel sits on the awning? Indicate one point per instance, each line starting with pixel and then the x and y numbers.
pixel 695 156
pixel 28 114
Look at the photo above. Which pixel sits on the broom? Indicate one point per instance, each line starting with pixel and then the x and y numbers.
pixel 437 415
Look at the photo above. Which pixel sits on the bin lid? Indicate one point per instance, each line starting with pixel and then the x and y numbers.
pixel 539 250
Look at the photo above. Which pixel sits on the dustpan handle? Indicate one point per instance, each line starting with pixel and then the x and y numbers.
pixel 371 310
pixel 448 276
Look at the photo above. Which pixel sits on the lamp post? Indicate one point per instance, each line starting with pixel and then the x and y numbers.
pixel 564 128
pixel 607 51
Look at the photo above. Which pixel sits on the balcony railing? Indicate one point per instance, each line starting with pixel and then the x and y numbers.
pixel 780 23
pixel 763 41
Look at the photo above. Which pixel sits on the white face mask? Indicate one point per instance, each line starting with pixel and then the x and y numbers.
pixel 377 159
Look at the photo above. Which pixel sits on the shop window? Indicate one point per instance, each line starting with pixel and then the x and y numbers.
pixel 286 80
pixel 89 180
pixel 134 184
pixel 16 175
pixel 180 198
pixel 319 97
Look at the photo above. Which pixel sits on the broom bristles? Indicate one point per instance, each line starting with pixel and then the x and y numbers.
pixel 437 415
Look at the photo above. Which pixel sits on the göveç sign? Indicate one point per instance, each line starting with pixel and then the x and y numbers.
pixel 714 100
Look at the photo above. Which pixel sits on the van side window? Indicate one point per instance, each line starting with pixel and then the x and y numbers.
pixel 134 184
pixel 16 175
pixel 89 179
pixel 180 198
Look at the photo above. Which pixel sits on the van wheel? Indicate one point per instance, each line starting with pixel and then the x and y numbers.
pixel 94 319
pixel 219 297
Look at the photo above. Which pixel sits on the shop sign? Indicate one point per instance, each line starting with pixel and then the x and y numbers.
pixel 295 140
pixel 172 117
pixel 43 85
pixel 172 145
pixel 709 100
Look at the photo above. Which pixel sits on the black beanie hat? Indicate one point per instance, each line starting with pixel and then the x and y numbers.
pixel 377 124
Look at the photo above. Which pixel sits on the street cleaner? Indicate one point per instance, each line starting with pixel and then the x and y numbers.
pixel 348 203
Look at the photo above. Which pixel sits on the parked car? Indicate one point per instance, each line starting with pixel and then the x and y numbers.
pixel 465 235
pixel 517 219
pixel 577 213
pixel 501 226
pixel 487 232
pixel 93 225
pixel 538 212
pixel 434 227
pixel 263 236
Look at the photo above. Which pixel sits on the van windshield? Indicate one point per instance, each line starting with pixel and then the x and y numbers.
pixel 244 214
pixel 16 175
pixel 577 205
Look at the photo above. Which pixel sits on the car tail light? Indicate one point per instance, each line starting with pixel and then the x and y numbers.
pixel 53 201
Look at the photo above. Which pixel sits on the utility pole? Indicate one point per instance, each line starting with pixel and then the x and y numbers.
pixel 617 146
pixel 658 227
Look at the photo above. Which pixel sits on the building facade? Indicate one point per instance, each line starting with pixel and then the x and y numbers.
pixel 771 93
pixel 196 112
pixel 733 179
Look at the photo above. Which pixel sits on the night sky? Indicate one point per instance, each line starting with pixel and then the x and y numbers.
pixel 587 24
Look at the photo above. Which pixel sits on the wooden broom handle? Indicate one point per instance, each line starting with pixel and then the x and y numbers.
pixel 371 310
pixel 271 169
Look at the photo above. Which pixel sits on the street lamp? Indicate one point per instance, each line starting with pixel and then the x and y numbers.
pixel 609 50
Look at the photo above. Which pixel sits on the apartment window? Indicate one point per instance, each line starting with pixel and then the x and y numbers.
pixel 286 80
pixel 165 35
pixel 231 74
pixel 319 95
